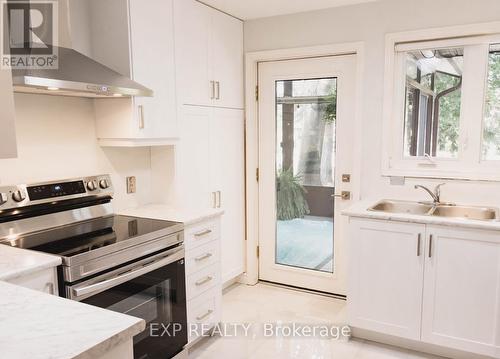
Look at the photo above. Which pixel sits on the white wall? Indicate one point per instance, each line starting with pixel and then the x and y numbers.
pixel 56 140
pixel 369 23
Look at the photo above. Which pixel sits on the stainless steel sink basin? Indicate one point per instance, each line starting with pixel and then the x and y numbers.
pixel 477 213
pixel 448 210
pixel 393 206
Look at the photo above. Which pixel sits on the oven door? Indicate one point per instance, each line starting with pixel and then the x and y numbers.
pixel 152 289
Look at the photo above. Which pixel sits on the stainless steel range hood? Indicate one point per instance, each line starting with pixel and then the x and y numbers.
pixel 77 75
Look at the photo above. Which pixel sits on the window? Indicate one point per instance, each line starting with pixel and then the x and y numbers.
pixel 491 129
pixel 433 98
pixel 442 105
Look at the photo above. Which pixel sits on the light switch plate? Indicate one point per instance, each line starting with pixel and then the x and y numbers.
pixel 131 184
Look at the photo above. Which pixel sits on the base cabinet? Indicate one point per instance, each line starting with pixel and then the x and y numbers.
pixel 43 281
pixel 203 284
pixel 433 284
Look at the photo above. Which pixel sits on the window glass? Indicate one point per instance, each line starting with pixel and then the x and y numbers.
pixel 491 127
pixel 433 100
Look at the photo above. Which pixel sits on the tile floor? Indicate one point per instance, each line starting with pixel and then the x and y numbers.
pixel 265 303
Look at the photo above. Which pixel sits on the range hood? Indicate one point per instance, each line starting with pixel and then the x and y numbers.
pixel 77 75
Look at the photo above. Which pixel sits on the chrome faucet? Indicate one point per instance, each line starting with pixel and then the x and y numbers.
pixel 436 195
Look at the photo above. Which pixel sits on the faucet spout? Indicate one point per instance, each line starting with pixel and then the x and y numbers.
pixel 435 196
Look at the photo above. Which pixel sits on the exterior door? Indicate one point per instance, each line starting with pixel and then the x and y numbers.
pixel 306 130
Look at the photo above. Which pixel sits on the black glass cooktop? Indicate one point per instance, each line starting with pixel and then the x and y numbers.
pixel 82 237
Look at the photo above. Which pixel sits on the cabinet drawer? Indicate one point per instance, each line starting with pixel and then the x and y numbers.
pixel 201 233
pixel 203 280
pixel 204 312
pixel 42 281
pixel 202 257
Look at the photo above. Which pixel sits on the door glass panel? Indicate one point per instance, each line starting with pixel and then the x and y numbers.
pixel 433 100
pixel 305 172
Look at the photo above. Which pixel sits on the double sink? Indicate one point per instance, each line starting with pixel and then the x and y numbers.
pixel 438 210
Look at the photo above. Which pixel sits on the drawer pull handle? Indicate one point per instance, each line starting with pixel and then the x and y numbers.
pixel 201 317
pixel 203 233
pixel 205 256
pixel 204 280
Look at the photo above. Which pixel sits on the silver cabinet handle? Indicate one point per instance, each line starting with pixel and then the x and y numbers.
pixel 219 196
pixel 201 317
pixel 212 90
pixel 204 280
pixel 203 233
pixel 50 288
pixel 140 108
pixel 430 245
pixel 419 239
pixel 217 86
pixel 203 257
pixel 214 199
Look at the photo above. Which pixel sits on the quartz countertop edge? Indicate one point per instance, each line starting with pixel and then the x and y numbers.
pixel 16 262
pixel 37 325
pixel 360 210
pixel 187 216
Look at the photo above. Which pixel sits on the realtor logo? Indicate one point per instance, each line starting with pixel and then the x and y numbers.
pixel 29 34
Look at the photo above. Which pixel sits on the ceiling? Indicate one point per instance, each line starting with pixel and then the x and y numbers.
pixel 252 9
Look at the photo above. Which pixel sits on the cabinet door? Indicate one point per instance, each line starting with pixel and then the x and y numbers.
pixel 193 25
pixel 153 65
pixel 227 177
pixel 8 144
pixel 227 59
pixel 194 157
pixel 462 290
pixel 386 277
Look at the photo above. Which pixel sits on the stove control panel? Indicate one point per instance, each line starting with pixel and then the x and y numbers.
pixel 39 193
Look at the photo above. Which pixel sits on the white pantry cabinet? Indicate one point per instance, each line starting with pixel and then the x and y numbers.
pixel 138 41
pixel 8 144
pixel 209 56
pixel 434 284
pixel 211 174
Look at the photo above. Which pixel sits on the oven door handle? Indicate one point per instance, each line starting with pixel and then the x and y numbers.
pixel 145 266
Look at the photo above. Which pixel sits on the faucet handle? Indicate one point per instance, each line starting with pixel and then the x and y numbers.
pixel 437 191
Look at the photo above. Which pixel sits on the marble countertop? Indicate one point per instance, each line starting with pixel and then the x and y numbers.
pixel 187 216
pixel 15 262
pixel 360 210
pixel 36 325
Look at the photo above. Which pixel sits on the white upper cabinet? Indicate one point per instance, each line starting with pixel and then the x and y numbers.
pixel 209 54
pixel 136 40
pixel 8 144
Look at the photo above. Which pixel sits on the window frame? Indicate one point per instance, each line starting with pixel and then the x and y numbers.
pixel 476 40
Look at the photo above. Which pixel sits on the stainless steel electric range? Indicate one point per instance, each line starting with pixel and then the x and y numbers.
pixel 126 264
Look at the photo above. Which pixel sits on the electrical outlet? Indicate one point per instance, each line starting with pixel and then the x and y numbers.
pixel 131 184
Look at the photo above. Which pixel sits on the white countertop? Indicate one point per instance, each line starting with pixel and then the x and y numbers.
pixel 170 213
pixel 360 210
pixel 15 262
pixel 35 325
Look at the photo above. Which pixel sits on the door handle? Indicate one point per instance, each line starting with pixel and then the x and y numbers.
pixel 201 317
pixel 344 195
pixel 419 240
pixel 203 257
pixel 203 233
pixel 217 90
pixel 430 245
pixel 214 199
pixel 203 281
pixel 141 116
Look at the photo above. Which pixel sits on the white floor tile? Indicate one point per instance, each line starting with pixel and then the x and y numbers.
pixel 264 303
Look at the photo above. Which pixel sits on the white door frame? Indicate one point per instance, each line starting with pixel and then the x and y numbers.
pixel 251 276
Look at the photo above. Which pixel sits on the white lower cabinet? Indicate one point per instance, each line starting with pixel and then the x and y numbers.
pixel 44 280
pixel 434 284
pixel 203 270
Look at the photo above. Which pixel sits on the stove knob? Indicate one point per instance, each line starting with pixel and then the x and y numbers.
pixel 3 198
pixel 104 183
pixel 18 196
pixel 92 185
